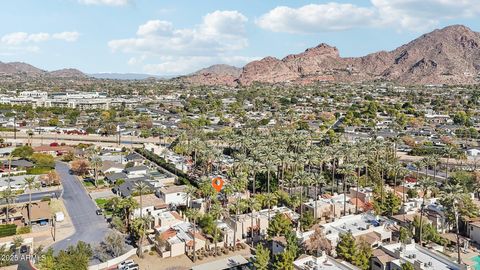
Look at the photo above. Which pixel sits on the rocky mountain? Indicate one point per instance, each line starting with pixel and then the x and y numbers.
pixel 20 69
pixel 67 73
pixel 215 75
pixel 447 56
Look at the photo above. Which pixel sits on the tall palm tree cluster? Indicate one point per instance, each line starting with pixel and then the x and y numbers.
pixel 288 167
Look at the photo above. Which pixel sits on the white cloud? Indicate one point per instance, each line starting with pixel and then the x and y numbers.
pixel 400 14
pixel 14 38
pixel 67 36
pixel 39 37
pixel 18 38
pixel 155 27
pixel 315 18
pixel 184 65
pixel 105 2
pixel 220 31
pixel 421 15
pixel 171 50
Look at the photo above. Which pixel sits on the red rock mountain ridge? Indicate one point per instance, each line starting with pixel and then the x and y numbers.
pixel 447 56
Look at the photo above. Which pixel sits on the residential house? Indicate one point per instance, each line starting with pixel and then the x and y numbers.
pixel 173 195
pixel 391 257
pixel 114 177
pixel 375 231
pixel 136 171
pixel 178 239
pixel 109 167
pixel 323 262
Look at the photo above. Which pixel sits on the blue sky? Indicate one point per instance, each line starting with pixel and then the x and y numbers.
pixel 168 37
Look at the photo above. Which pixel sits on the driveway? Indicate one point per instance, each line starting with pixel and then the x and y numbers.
pixel 89 227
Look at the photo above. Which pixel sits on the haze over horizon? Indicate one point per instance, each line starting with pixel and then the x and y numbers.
pixel 178 37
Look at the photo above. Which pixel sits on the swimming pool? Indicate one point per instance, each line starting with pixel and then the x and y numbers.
pixel 476 262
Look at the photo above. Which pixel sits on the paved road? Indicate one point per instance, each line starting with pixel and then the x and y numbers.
pixel 89 227
pixel 440 175
pixel 37 196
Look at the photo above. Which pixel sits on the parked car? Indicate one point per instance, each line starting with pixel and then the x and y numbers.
pixel 133 267
pixel 99 212
pixel 125 264
pixel 23 249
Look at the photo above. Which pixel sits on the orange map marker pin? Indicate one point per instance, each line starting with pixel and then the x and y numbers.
pixel 217 183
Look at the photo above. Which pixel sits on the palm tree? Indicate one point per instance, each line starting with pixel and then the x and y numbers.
pixel 449 151
pixel 125 206
pixel 193 215
pixel 425 184
pixel 216 212
pixel 8 195
pixel 29 182
pixel 141 188
pixel 96 163
pixel 190 191
pixel 237 207
pixel 303 179
pixel 141 224
pixel 319 182
pixel 348 171
pixel 418 164
pixel 456 194
pixel 253 205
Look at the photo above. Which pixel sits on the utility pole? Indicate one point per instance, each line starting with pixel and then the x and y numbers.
pixel 15 127
pixel 54 227
pixel 459 258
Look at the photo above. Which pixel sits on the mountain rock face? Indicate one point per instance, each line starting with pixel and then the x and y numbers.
pixel 67 73
pixel 447 56
pixel 215 75
pixel 20 69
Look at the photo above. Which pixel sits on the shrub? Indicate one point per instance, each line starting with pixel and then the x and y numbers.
pixel 24 230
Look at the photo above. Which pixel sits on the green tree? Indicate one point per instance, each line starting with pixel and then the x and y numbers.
pixel 408 266
pixel 261 261
pixel 22 151
pixel 43 160
pixel 306 221
pixel 284 260
pixel 346 247
pixel 362 255
pixel 279 225
pixel 405 235
pixel 73 258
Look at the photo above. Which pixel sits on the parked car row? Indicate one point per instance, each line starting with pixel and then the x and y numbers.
pixel 128 265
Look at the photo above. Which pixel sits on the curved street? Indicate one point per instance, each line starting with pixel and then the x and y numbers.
pixel 89 227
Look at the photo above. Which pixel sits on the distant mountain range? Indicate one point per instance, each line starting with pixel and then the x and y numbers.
pixel 126 76
pixel 447 56
pixel 21 69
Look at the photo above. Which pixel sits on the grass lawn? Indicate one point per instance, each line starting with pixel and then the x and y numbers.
pixel 38 170
pixel 101 202
pixel 88 184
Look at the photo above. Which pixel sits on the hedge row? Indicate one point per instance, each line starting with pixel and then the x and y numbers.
pixel 8 230
pixel 183 178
